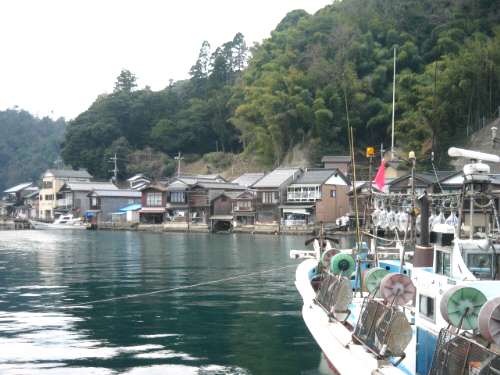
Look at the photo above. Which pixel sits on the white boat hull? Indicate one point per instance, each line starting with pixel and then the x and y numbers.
pixel 48 226
pixel 335 338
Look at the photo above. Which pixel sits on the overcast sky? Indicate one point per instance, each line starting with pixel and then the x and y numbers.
pixel 59 55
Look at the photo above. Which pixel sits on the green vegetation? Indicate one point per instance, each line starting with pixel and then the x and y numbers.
pixel 304 84
pixel 28 146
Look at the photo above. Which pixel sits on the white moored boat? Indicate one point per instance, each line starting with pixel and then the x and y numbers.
pixel 437 312
pixel 66 221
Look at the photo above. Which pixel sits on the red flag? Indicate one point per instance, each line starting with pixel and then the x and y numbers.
pixel 380 177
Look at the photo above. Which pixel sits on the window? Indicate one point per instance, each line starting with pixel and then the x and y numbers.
pixel 268 197
pixel 333 193
pixel 49 197
pixel 47 184
pixel 480 265
pixel 426 307
pixel 153 199
pixel 177 196
pixel 443 263
pixel 95 201
pixel 243 205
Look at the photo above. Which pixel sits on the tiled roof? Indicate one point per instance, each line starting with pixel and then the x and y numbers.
pixel 68 173
pixel 19 187
pixel 118 193
pixel 315 176
pixel 248 179
pixel 336 159
pixel 88 186
pixel 221 185
pixel 276 178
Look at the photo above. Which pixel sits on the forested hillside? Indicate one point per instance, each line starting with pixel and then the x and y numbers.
pixel 28 146
pixel 316 75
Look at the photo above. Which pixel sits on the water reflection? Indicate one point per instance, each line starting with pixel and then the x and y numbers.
pixel 105 302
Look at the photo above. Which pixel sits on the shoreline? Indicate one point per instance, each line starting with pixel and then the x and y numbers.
pixel 271 229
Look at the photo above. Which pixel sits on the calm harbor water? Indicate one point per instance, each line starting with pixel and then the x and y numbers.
pixel 105 302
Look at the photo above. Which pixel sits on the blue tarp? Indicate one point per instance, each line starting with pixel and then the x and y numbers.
pixel 117 213
pixel 132 207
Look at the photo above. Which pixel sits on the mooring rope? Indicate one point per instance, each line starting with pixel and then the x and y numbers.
pixel 149 293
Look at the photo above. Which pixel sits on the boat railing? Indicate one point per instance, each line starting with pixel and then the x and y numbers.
pixel 463 354
pixel 377 327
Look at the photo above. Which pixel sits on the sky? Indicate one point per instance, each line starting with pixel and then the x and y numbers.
pixel 58 56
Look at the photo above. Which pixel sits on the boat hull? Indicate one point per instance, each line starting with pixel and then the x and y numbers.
pixel 335 338
pixel 48 226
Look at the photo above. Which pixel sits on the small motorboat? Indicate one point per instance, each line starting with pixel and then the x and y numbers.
pixel 66 221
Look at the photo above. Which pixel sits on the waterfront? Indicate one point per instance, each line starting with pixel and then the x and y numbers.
pixel 64 305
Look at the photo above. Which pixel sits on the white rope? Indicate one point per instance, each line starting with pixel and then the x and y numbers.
pixel 150 293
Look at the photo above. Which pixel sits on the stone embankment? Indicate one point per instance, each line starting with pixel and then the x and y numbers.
pixel 274 229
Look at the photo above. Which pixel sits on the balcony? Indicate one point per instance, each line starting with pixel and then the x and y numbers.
pixel 64 203
pixel 303 196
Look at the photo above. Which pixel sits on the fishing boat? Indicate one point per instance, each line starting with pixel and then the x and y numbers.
pixel 64 222
pixel 432 310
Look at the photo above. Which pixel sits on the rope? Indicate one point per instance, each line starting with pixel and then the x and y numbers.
pixel 151 293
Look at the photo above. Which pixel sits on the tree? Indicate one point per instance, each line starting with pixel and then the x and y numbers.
pixel 126 81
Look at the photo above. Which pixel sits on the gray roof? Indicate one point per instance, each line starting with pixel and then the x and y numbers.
pixel 20 187
pixel 215 177
pixel 220 185
pixel 276 178
pixel 126 193
pixel 316 176
pixel 68 173
pixel 336 159
pixel 195 180
pixel 88 186
pixel 33 194
pixel 138 177
pixel 248 179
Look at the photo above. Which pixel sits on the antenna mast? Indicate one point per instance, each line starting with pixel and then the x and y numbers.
pixel 393 103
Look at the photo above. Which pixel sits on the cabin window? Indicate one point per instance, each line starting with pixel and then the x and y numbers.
pixel 153 199
pixel 443 263
pixel 427 307
pixel 480 265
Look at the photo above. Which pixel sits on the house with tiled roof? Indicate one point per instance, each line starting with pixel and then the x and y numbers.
pixel 202 207
pixel 52 181
pixel 14 200
pixel 154 201
pixel 103 202
pixel 72 196
pixel 177 196
pixel 271 192
pixel 318 195
pixel 341 162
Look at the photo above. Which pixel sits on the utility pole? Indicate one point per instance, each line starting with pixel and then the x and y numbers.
pixel 111 160
pixel 58 162
pixel 179 158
